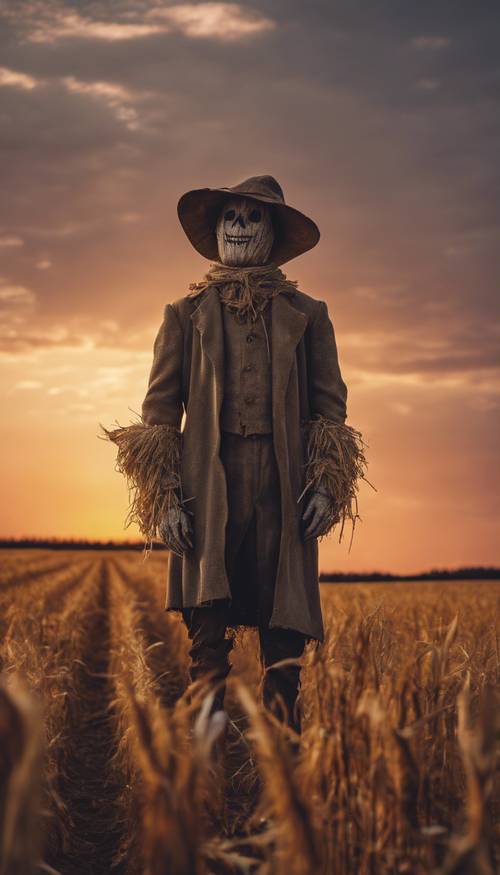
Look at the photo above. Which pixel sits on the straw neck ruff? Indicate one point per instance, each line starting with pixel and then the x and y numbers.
pixel 246 291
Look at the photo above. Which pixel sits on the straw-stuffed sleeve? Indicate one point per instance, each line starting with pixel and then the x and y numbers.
pixel 335 451
pixel 149 450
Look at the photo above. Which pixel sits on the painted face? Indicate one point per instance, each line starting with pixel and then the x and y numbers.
pixel 244 233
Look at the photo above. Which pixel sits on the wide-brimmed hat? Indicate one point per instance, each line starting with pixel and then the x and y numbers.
pixel 198 211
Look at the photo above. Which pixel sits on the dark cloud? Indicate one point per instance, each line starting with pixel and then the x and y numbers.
pixel 461 354
pixel 382 123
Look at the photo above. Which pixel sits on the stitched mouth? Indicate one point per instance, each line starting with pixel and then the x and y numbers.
pixel 238 241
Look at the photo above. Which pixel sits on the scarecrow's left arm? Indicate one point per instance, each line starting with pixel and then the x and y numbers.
pixel 335 457
pixel 149 451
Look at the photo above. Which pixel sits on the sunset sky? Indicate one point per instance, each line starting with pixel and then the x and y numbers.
pixel 380 120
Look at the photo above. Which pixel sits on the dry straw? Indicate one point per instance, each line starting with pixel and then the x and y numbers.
pixel 473 852
pixel 21 747
pixel 149 456
pixel 335 464
pixel 245 291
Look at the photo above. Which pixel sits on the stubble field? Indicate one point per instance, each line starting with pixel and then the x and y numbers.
pixel 104 770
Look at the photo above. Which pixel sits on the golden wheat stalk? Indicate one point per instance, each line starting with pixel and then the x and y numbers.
pixel 167 759
pixel 21 746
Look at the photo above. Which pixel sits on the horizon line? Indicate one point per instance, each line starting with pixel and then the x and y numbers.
pixel 27 542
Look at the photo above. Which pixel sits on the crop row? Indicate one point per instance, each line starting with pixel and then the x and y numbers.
pixel 109 759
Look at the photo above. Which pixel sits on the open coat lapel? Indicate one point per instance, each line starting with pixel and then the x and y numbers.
pixel 288 326
pixel 207 318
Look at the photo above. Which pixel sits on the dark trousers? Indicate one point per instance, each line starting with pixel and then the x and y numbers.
pixel 253 535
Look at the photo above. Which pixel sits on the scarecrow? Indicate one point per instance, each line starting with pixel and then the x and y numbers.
pixel 264 464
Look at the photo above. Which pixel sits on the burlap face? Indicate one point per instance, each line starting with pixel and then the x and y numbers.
pixel 244 233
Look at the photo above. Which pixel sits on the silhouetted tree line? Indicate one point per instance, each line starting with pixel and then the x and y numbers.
pixel 473 572
pixel 74 544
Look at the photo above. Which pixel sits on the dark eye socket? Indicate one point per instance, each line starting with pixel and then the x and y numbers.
pixel 230 215
pixel 255 216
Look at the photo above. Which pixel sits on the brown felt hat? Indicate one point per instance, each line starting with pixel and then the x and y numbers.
pixel 198 211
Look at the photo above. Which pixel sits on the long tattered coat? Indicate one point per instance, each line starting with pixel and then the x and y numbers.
pixel 187 376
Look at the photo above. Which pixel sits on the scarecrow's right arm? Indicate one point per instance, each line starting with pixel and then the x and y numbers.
pixel 335 461
pixel 149 451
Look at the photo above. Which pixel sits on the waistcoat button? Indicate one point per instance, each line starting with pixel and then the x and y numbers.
pixel 250 338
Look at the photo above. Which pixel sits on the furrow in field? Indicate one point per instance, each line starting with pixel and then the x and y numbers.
pixel 30 574
pixel 172 791
pixel 15 560
pixel 63 660
pixel 148 575
pixel 141 722
pixel 14 557
pixel 47 661
pixel 37 601
pixel 84 781
pixel 162 632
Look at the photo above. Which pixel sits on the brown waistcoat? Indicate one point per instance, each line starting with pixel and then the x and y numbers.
pixel 247 403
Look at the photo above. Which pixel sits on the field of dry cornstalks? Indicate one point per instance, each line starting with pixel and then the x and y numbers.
pixel 107 766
